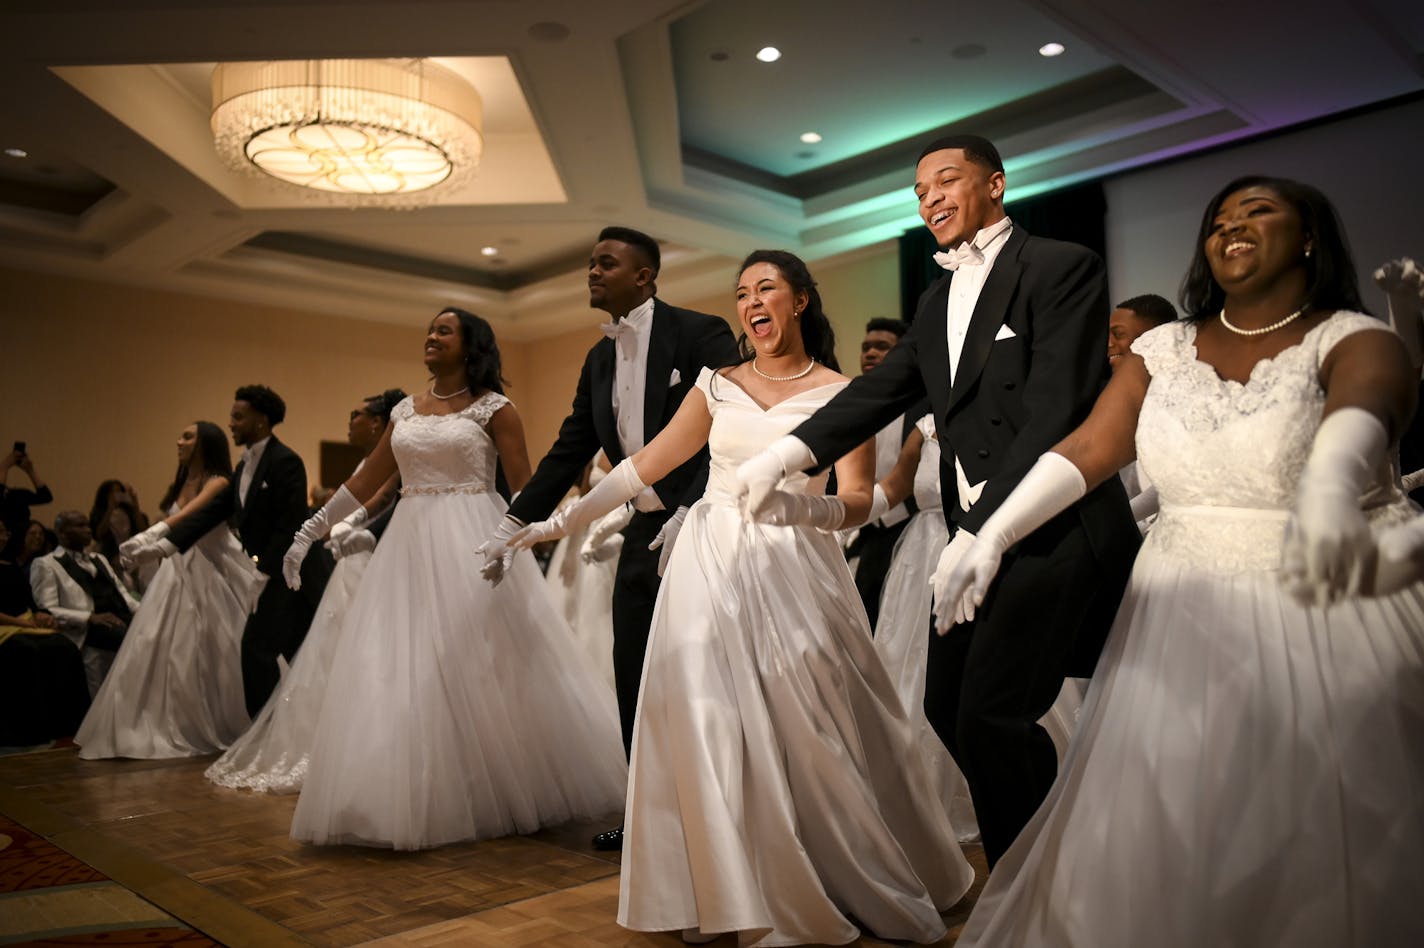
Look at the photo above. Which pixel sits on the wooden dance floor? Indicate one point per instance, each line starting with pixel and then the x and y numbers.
pixel 153 838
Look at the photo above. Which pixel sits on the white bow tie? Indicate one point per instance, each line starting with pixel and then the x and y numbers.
pixel 617 329
pixel 966 254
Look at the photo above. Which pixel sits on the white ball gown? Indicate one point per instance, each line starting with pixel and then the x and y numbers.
pixel 454 710
pixel 1247 771
pixel 775 787
pixel 272 755
pixel 175 688
pixel 586 600
pixel 902 637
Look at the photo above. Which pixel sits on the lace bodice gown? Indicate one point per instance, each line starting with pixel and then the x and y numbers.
pixel 454 710
pixel 175 688
pixel 1247 771
pixel 775 787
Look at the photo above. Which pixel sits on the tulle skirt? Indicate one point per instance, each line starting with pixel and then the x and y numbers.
pixel 1247 771
pixel 455 710
pixel 775 786
pixel 583 594
pixel 272 754
pixel 175 686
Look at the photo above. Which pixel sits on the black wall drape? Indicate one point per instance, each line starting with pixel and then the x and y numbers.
pixel 1077 214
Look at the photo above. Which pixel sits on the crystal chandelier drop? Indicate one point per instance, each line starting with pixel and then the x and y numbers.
pixel 382 132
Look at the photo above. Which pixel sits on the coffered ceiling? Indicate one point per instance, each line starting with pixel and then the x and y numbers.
pixel 652 113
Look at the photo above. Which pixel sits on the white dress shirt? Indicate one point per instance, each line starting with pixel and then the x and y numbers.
pixel 632 335
pixel 964 292
pixel 249 461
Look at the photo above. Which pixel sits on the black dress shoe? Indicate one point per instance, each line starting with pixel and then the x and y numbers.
pixel 609 840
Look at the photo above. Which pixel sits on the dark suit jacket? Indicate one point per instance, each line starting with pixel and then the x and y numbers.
pixel 275 509
pixel 683 341
pixel 1012 399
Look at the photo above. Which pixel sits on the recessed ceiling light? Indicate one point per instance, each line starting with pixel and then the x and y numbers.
pixel 17 153
pixel 1051 49
pixel 810 138
pixel 490 251
pixel 768 54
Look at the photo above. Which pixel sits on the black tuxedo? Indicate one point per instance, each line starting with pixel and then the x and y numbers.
pixel 275 508
pixel 1012 399
pixel 681 344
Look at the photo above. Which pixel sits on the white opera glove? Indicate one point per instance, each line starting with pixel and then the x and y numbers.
pixel 351 543
pixel 498 554
pixel 1050 487
pixel 129 549
pixel 1411 482
pixel 1328 550
pixel 667 536
pixel 945 610
pixel 342 529
pixel 786 509
pixel 620 486
pixel 342 504
pixel 758 476
pixel 605 541
pixel 1401 558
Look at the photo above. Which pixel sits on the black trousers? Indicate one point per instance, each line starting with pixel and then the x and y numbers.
pixel 44 693
pixel 635 592
pixel 877 548
pixel 988 682
pixel 276 627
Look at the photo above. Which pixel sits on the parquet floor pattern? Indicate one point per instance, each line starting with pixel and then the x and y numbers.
pixel 221 861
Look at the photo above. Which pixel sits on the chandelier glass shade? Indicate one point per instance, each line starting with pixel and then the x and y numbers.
pixel 366 131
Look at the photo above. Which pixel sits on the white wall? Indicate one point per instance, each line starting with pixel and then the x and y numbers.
pixel 1369 166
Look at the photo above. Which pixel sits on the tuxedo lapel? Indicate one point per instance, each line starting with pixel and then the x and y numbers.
pixel 662 351
pixel 934 344
pixel 605 424
pixel 989 314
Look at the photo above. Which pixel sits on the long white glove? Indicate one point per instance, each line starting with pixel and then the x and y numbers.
pixel 605 541
pixel 1051 486
pixel 342 530
pixel 667 536
pixel 948 611
pixel 786 509
pixel 1411 482
pixel 1400 560
pixel 341 505
pixel 620 486
pixel 353 542
pixel 1403 282
pixel 1328 550
pixel 498 554
pixel 758 476
pixel 130 549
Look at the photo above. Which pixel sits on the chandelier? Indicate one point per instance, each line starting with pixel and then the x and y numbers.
pixel 364 131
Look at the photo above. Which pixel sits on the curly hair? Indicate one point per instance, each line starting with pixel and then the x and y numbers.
pixel 382 404
pixel 482 362
pixel 264 401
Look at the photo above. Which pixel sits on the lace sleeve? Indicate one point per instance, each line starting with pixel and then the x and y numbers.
pixel 482 409
pixel 403 410
pixel 1160 346
pixel 1340 326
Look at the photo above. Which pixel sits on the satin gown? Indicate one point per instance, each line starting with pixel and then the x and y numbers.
pixel 776 789
pixel 1247 770
pixel 455 709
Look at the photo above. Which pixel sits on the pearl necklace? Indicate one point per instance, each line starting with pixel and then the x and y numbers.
pixel 1264 329
pixel 783 378
pixel 446 398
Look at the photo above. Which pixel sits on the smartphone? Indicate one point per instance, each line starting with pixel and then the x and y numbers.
pixel 19 447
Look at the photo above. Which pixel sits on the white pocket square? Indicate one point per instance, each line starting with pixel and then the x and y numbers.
pixel 676 377
pixel 1004 333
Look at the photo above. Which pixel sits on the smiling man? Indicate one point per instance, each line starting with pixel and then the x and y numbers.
pixel 632 383
pixel 1008 346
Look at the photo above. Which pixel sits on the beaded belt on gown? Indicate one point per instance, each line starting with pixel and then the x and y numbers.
pixel 419 489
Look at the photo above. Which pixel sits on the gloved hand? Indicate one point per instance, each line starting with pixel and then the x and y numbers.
pixel 498 554
pixel 758 475
pixel 605 541
pixel 667 536
pixel 947 611
pixel 341 505
pixel 343 529
pixel 1411 482
pixel 1400 558
pixel 129 549
pixel 620 486
pixel 351 543
pixel 1328 550
pixel 787 509
pixel 1051 486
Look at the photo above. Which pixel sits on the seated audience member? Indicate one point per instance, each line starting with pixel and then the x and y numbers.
pixel 1128 320
pixel 43 694
pixel 120 524
pixel 1403 284
pixel 111 494
pixel 15 502
pixel 38 540
pixel 89 603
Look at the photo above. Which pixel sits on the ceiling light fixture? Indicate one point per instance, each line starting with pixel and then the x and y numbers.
pixel 16 153
pixel 810 138
pixel 768 54
pixel 364 131
pixel 1051 49
pixel 490 251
